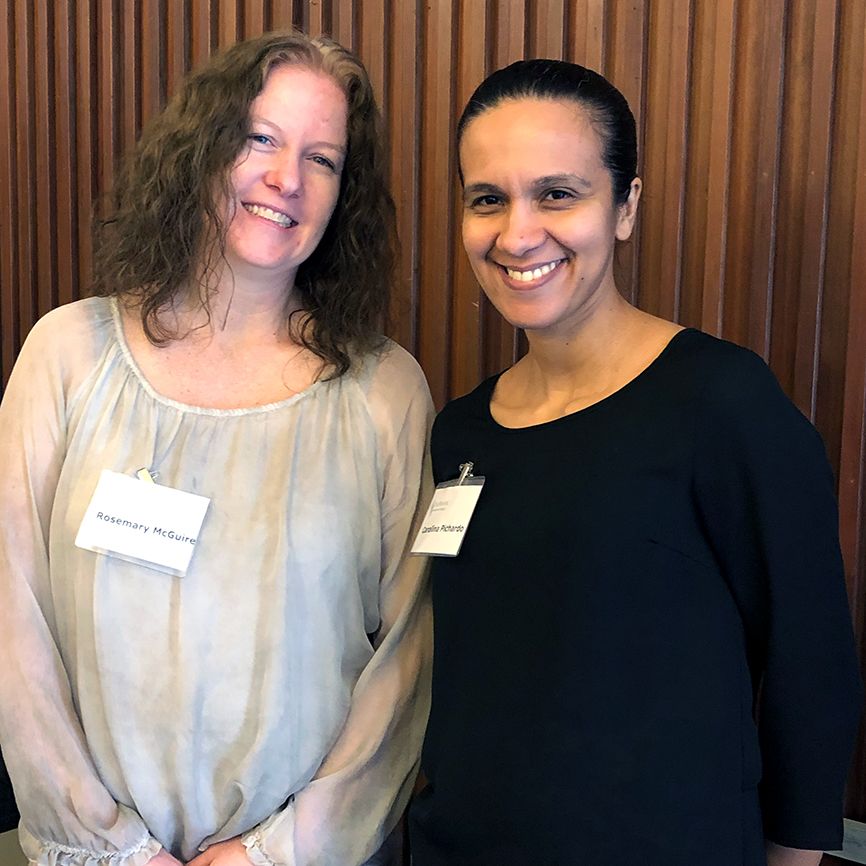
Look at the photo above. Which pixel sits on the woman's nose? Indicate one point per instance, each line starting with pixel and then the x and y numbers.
pixel 284 174
pixel 522 230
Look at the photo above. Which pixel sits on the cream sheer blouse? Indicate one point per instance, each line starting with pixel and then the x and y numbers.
pixel 246 698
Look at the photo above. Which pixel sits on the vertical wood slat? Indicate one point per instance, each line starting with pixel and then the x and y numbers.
pixel 803 191
pixel 46 177
pixel 708 167
pixel 586 33
pixel 435 226
pixel 466 327
pixel 152 54
pixel 130 71
pixel 752 124
pixel 813 252
pixel 403 152
pixel 626 53
pixel 373 46
pixel 178 44
pixel 86 132
pixel 838 303
pixel 9 320
pixel 847 243
pixel 66 222
pixel 281 12
pixel 23 53
pixel 254 14
pixel 722 36
pixel 662 224
pixel 203 30
pixel 229 22
pixel 343 25
pixel 108 107
pixel 314 19
pixel 754 174
pixel 547 29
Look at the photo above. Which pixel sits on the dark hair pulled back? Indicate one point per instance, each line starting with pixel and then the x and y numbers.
pixel 607 108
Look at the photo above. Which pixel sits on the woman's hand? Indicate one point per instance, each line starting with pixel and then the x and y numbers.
pixel 777 855
pixel 228 853
pixel 164 859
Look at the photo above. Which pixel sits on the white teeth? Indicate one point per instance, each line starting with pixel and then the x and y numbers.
pixel 528 276
pixel 272 215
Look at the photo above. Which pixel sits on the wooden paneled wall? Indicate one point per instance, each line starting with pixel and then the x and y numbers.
pixel 752 117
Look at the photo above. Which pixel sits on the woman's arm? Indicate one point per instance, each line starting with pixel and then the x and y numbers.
pixel 767 497
pixel 363 784
pixel 67 815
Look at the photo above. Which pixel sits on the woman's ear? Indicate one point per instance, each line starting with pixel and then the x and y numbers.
pixel 627 212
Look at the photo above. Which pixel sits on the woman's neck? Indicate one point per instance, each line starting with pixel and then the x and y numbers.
pixel 563 361
pixel 236 310
pixel 564 374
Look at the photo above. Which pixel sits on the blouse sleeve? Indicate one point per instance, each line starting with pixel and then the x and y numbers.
pixel 68 818
pixel 359 792
pixel 766 494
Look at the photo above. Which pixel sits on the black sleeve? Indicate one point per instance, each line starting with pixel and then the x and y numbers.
pixel 766 495
pixel 8 809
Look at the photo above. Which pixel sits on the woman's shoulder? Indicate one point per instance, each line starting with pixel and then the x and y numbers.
pixel 472 404
pixel 718 369
pixel 737 393
pixel 71 334
pixel 63 347
pixel 695 347
pixel 66 326
pixel 393 382
pixel 392 363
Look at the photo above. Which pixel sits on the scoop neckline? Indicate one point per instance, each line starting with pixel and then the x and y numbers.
pixel 599 405
pixel 191 408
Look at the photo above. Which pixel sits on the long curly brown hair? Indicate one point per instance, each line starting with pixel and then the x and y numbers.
pixel 165 229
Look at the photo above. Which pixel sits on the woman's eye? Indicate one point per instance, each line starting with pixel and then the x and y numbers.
pixel 485 201
pixel 324 162
pixel 558 195
pixel 259 138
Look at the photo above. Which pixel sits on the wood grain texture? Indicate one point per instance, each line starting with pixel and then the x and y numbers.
pixel 665 154
pixel 436 224
pixel 472 67
pixel 10 319
pixel 752 132
pixel 586 33
pixel 404 161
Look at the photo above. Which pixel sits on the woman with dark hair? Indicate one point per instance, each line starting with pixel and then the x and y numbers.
pixel 653 559
pixel 227 666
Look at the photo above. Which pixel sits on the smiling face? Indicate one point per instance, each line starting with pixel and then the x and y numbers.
pixel 287 179
pixel 539 221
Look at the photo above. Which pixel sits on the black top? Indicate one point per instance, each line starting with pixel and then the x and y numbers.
pixel 632 574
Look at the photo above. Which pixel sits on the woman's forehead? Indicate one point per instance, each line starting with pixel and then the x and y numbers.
pixel 531 134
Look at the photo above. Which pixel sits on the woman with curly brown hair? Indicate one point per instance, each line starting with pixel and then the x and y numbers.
pixel 227 666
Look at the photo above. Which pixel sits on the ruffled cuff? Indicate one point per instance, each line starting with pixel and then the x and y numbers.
pixel 263 843
pixel 42 853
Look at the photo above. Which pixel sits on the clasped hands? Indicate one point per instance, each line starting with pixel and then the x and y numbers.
pixel 228 853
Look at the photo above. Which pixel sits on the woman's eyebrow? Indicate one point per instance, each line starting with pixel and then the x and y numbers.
pixel 481 188
pixel 563 179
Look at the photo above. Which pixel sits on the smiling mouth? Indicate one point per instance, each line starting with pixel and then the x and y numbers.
pixel 527 275
pixel 277 217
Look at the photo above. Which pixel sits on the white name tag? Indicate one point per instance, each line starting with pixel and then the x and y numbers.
pixel 151 524
pixel 448 516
